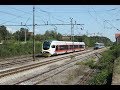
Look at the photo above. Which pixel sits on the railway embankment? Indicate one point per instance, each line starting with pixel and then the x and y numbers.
pixel 116 72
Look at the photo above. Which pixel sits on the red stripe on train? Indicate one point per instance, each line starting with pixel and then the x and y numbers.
pixel 69 50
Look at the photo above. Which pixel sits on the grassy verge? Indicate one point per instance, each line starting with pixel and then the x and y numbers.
pixel 17 49
pixel 105 67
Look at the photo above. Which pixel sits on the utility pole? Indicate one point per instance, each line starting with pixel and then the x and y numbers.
pixel 71 29
pixel 72 33
pixel 33 33
pixel 25 35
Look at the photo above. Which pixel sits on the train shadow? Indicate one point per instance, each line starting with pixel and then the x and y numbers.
pixel 39 55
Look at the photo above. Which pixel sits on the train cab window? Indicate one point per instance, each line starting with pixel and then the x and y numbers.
pixel 46 45
pixel 53 46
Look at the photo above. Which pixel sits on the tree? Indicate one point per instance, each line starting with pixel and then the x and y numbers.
pixel 39 37
pixel 50 35
pixel 4 33
pixel 20 35
pixel 59 36
pixel 90 41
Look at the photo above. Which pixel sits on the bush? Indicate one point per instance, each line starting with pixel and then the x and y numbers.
pixel 105 66
pixel 16 49
pixel 100 78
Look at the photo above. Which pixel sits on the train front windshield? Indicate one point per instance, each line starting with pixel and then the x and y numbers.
pixel 46 45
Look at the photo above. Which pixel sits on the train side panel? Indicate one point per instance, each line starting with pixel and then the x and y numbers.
pixel 61 47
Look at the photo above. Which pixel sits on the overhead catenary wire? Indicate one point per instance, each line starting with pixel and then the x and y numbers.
pixel 49 13
pixel 112 25
pixel 11 19
pixel 10 14
pixel 113 9
pixel 4 21
pixel 37 24
pixel 29 13
pixel 97 18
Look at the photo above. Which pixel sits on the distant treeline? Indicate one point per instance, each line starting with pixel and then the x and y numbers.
pixel 19 36
pixel 15 44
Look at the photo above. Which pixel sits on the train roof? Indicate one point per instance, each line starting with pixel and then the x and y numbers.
pixel 67 42
pixel 82 43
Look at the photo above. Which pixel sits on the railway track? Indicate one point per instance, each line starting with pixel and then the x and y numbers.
pixel 38 64
pixel 35 65
pixel 16 57
pixel 15 61
pixel 37 79
pixel 10 62
pixel 27 67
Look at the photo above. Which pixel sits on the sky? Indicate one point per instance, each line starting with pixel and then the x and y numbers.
pixel 96 20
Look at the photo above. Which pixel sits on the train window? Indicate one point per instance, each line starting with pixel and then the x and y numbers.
pixel 71 46
pixel 66 47
pixel 75 46
pixel 53 46
pixel 63 47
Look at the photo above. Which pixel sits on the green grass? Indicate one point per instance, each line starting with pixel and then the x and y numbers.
pixel 17 49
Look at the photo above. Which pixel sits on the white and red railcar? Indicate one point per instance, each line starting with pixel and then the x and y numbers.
pixel 60 47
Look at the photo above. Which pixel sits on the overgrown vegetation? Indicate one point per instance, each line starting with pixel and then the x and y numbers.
pixel 105 66
pixel 89 62
pixel 16 49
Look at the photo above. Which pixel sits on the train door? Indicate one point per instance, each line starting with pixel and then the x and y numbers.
pixel 53 47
